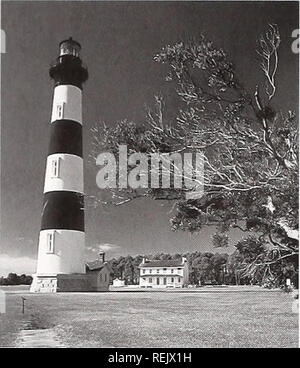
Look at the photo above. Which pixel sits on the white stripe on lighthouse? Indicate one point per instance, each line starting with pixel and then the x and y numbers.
pixel 64 172
pixel 61 251
pixel 67 103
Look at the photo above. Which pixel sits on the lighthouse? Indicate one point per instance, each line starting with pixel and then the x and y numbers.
pixel 60 265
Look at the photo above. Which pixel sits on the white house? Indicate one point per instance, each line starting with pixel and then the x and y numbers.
pixel 164 273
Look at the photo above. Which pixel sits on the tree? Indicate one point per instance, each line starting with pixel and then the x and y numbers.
pixel 218 262
pixel 220 239
pixel 205 268
pixel 129 270
pixel 13 279
pixel 136 272
pixel 23 279
pixel 235 268
pixel 250 150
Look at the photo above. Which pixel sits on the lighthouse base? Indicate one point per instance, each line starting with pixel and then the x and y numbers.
pixel 60 283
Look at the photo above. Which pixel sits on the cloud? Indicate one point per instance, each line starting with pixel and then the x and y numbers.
pixel 17 265
pixel 106 247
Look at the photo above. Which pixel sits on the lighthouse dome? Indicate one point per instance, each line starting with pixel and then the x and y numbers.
pixel 69 47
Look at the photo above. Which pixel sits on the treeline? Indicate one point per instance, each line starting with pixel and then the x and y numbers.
pixel 14 279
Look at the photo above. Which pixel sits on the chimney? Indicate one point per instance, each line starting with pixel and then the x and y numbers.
pixel 102 256
pixel 144 260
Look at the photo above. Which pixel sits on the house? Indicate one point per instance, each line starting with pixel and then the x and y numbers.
pixel 164 273
pixel 98 273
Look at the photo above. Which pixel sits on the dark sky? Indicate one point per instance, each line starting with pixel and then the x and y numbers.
pixel 118 42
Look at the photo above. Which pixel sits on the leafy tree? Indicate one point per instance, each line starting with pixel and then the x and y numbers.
pixel 235 268
pixel 250 150
pixel 220 239
pixel 218 262
pixel 136 272
pixel 129 270
pixel 120 268
pixel 205 268
pixel 13 279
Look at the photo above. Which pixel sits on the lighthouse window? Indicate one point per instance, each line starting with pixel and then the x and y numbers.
pixel 50 242
pixel 60 111
pixel 55 167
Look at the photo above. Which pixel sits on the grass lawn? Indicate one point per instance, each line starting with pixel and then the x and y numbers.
pixel 156 319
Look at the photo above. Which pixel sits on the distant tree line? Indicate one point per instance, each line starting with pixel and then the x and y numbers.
pixel 14 279
pixel 213 268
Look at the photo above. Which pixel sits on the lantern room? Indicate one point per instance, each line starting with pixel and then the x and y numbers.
pixel 69 47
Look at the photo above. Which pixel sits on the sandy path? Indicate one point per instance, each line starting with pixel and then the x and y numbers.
pixel 45 338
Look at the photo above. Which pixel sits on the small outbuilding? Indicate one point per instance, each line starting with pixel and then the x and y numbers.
pixel 99 274
pixel 118 282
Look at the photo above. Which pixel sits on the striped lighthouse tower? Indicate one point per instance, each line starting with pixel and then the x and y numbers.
pixel 60 265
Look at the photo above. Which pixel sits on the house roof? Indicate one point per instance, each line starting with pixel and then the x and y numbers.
pixel 163 263
pixel 95 265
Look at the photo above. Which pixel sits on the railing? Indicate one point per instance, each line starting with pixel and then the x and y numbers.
pixel 59 60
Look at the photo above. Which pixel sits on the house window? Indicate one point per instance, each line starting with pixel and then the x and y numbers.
pixel 144 271
pixel 60 111
pixel 165 281
pixel 150 280
pixel 172 271
pixel 50 242
pixel 55 167
pixel 179 279
pixel 157 271
pixel 157 280
pixel 172 279
pixel 150 271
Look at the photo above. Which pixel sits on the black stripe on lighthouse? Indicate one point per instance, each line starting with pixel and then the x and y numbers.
pixel 63 210
pixel 68 69
pixel 66 137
